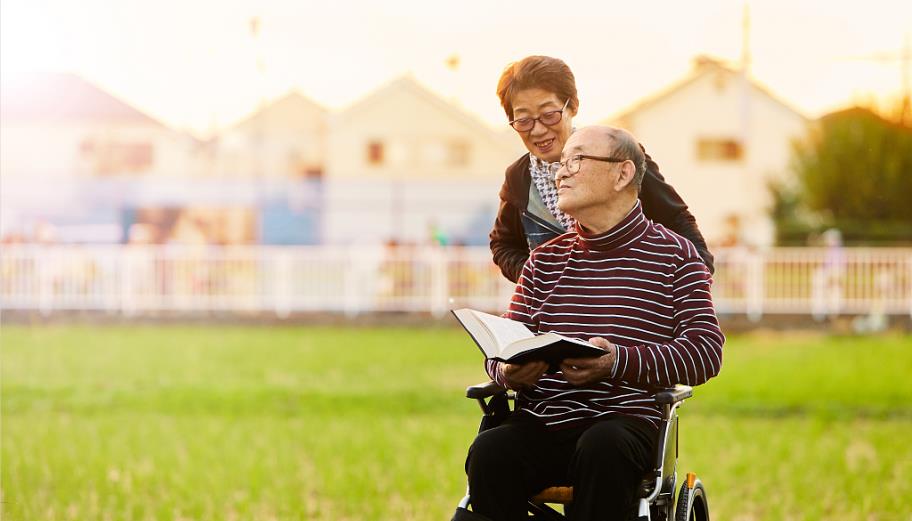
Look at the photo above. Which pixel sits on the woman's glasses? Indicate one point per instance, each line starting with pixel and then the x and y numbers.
pixel 548 119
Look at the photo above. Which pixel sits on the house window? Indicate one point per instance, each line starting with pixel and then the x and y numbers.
pixel 313 172
pixel 710 149
pixel 458 153
pixel 303 166
pixel 375 153
pixel 114 158
pixel 434 153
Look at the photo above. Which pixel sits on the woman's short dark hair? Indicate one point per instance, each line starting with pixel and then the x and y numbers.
pixel 537 72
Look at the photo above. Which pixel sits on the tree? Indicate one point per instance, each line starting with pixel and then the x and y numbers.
pixel 854 173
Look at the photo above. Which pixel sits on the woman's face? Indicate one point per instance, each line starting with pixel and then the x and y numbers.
pixel 543 141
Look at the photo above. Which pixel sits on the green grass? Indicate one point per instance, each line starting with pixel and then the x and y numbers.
pixel 136 423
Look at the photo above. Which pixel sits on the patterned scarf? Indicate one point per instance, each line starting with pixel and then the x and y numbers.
pixel 544 182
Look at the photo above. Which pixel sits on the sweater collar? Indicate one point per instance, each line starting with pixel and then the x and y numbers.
pixel 630 228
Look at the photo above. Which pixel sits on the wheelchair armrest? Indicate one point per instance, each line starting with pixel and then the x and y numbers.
pixel 484 390
pixel 673 395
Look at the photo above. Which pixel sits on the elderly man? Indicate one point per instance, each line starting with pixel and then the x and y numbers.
pixel 629 286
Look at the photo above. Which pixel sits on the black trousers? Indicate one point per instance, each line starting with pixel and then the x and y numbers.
pixel 604 462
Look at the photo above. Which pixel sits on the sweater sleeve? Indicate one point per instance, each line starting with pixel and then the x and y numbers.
pixel 694 355
pixel 662 204
pixel 520 310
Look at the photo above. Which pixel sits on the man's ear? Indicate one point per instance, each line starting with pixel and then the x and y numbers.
pixel 627 173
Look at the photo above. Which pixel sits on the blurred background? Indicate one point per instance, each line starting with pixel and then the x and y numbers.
pixel 292 157
pixel 326 174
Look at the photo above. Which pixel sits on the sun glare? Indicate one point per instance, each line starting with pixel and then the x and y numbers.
pixel 28 44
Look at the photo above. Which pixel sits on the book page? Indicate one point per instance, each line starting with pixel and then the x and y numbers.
pixel 478 331
pixel 504 330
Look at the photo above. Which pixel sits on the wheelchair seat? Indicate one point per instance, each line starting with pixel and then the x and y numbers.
pixel 563 495
pixel 656 490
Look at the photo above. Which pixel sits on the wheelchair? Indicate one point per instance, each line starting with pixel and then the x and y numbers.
pixel 657 489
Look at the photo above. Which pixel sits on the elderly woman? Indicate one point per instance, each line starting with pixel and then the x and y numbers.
pixel 538 94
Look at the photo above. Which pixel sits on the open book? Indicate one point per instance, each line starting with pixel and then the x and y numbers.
pixel 509 341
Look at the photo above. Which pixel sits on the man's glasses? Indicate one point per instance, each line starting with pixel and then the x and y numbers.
pixel 572 163
pixel 548 119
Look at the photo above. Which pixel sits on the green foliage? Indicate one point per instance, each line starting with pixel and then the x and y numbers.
pixel 141 423
pixel 792 223
pixel 854 173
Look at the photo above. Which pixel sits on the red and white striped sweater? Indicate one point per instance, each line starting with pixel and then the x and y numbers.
pixel 639 285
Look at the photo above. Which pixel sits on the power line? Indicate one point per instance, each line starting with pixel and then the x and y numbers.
pixel 904 58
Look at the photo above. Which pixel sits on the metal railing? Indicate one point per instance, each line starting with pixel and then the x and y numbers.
pixel 143 280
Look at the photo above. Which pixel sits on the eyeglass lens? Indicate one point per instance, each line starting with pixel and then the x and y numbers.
pixel 548 118
pixel 572 163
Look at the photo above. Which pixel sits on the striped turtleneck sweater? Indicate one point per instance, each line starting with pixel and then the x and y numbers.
pixel 640 286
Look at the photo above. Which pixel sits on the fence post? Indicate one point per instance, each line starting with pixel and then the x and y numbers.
pixel 909 282
pixel 439 282
pixel 756 279
pixel 46 259
pixel 282 284
pixel 127 288
pixel 350 278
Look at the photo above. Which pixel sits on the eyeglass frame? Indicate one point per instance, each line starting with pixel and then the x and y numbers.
pixel 579 162
pixel 540 116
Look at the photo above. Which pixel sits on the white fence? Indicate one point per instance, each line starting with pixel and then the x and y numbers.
pixel 134 280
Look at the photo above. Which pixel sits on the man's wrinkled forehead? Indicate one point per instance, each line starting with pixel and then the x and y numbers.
pixel 588 140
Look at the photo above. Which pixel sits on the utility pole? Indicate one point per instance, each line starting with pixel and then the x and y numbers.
pixel 259 131
pixel 745 39
pixel 905 116
pixel 745 80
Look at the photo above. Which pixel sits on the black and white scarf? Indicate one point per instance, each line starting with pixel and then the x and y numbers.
pixel 544 182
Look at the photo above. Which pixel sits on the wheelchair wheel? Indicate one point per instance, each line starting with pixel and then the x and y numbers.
pixel 692 504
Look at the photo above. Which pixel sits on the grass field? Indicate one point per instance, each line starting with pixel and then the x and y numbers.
pixel 237 423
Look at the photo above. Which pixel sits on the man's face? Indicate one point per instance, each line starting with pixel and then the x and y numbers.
pixel 593 184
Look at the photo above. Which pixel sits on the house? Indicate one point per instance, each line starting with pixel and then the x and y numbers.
pixel 400 165
pixel 404 164
pixel 59 125
pixel 276 157
pixel 719 138
pixel 286 139
pixel 69 148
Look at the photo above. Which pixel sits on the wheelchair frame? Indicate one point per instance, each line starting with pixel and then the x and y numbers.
pixel 657 492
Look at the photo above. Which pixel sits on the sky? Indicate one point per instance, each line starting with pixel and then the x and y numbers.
pixel 197 66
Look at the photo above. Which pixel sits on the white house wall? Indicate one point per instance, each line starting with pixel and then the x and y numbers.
pixel 670 127
pixel 415 132
pixel 365 211
pixel 276 143
pixel 37 150
pixel 417 187
pixel 33 150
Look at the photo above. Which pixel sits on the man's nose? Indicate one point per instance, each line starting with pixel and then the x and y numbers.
pixel 559 174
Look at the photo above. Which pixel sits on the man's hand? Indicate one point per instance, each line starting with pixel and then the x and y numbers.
pixel 525 375
pixel 583 371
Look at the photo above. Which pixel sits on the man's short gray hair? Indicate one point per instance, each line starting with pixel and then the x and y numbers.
pixel 626 146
